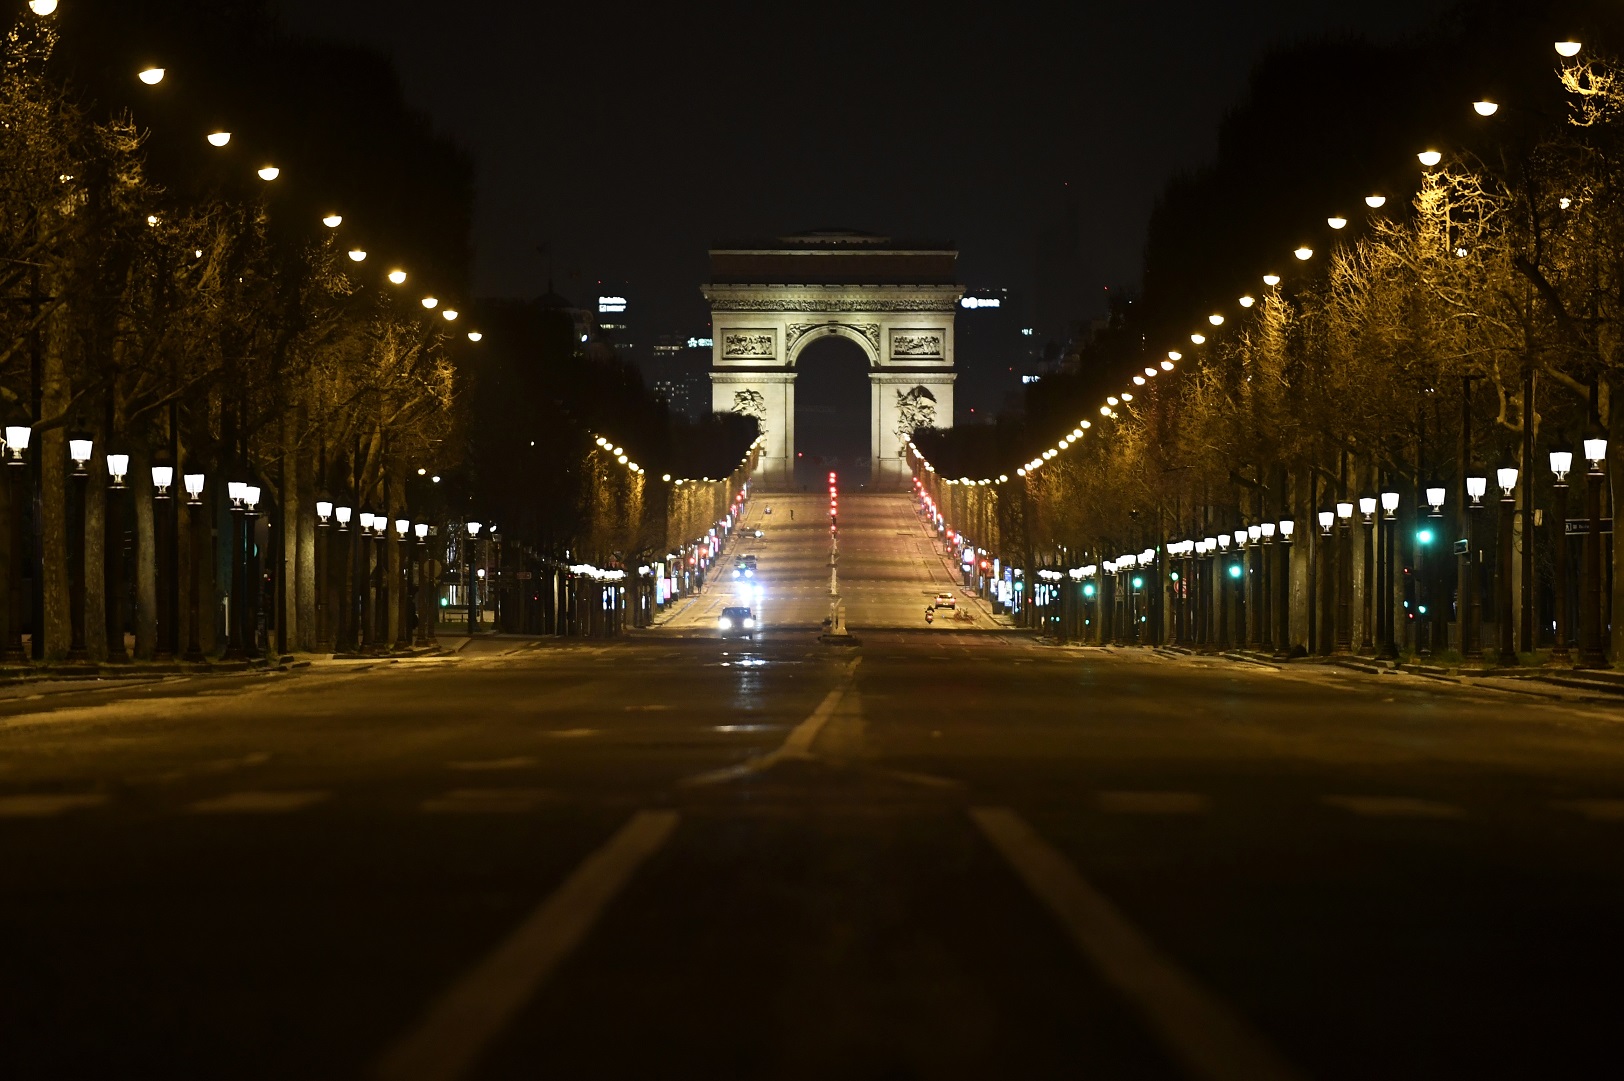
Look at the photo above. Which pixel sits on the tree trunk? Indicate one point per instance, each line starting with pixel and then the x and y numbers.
pixel 95 569
pixel 54 486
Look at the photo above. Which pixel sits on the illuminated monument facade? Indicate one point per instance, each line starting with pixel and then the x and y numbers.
pixel 895 300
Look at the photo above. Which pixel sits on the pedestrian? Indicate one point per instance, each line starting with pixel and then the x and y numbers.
pixel 792 516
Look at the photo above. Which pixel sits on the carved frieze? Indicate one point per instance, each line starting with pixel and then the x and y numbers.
pixel 917 344
pixel 915 303
pixel 749 344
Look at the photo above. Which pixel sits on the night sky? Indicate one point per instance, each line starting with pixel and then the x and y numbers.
pixel 629 137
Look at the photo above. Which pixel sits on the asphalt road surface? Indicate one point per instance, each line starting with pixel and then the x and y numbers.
pixel 946 852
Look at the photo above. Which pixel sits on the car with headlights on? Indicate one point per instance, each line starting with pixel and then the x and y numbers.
pixel 945 600
pixel 737 622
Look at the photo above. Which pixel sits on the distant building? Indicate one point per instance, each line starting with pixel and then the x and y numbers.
pixel 679 373
pixel 618 321
pixel 999 352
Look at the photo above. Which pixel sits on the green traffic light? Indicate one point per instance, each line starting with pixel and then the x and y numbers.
pixel 1424 536
pixel 1138 583
pixel 1088 590
pixel 1235 570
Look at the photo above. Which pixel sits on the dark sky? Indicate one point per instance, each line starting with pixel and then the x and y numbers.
pixel 630 136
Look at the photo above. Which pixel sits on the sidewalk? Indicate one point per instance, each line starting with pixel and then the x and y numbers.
pixel 1596 685
pixel 954 577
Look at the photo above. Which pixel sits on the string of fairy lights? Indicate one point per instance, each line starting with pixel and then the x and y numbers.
pixel 1429 159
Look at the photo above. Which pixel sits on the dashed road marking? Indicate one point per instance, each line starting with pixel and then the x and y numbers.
pixel 1601 810
pixel 798 744
pixel 519 762
pixel 1394 807
pixel 486 801
pixel 1152 803
pixel 464 1020
pixel 258 802
pixel 47 806
pixel 1212 1042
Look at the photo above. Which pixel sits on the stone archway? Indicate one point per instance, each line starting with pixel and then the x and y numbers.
pixel 896 301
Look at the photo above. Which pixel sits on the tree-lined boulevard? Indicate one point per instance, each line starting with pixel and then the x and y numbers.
pixel 939 853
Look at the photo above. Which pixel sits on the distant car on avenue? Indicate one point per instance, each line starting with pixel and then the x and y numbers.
pixel 945 600
pixel 738 622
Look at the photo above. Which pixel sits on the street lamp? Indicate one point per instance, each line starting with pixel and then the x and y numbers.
pixel 1344 577
pixel 1591 652
pixel 17 439
pixel 425 609
pixel 197 546
pixel 118 465
pixel 1384 577
pixel 1568 49
pixel 219 138
pixel 1370 604
pixel 468 561
pixel 1561 465
pixel 42 8
pixel 1429 158
pixel 1507 478
pixel 1467 604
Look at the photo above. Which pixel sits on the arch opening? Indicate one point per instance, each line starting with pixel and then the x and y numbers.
pixel 833 411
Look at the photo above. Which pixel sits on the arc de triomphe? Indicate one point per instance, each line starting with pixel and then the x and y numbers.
pixel 895 300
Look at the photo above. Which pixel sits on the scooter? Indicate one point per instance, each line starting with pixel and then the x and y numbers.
pixel 930 615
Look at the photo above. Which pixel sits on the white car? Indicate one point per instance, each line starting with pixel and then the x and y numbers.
pixel 945 600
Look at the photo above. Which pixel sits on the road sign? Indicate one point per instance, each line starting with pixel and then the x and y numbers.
pixel 1581 526
pixel 1461 547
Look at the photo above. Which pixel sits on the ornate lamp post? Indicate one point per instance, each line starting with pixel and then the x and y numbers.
pixel 1471 646
pixel 198 548
pixel 1322 617
pixel 1221 580
pixel 1384 607
pixel 1507 476
pixel 1266 585
pixel 344 639
pixel 18 437
pixel 236 637
pixel 1367 608
pixel 164 646
pixel 403 627
pixel 324 570
pixel 251 571
pixel 1428 638
pixel 1591 652
pixel 468 566
pixel 425 611
pixel 1282 588
pixel 80 448
pixel 366 611
pixel 1561 465
pixel 1344 578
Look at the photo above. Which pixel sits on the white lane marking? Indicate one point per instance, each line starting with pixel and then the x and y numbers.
pixel 798 744
pixel 456 1028
pixel 1601 810
pixel 486 801
pixel 573 733
pixel 258 802
pixel 1198 1029
pixel 47 806
pixel 1152 803
pixel 1394 807
pixel 521 762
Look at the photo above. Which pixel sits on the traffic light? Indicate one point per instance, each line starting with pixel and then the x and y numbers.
pixel 1425 535
pixel 1088 590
